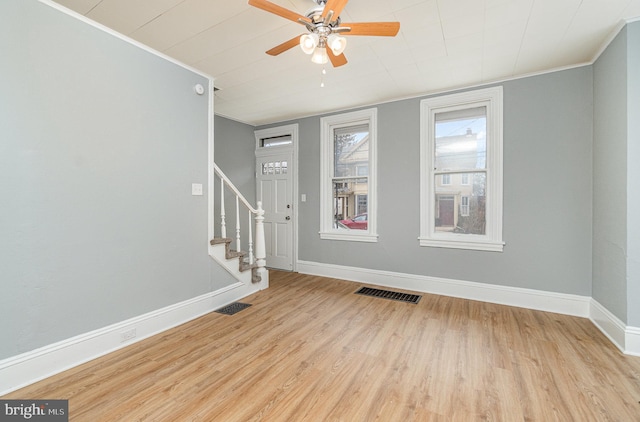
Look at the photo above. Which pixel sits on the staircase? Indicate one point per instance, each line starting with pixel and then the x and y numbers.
pixel 246 266
pixel 244 263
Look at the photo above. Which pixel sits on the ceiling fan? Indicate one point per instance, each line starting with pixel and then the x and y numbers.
pixel 323 40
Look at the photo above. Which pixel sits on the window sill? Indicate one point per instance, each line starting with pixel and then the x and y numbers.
pixel 490 246
pixel 351 237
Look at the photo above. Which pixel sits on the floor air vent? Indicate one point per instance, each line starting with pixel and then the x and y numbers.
pixel 233 308
pixel 387 294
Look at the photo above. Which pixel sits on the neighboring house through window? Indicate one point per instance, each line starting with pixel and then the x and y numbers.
pixel 461 148
pixel 348 176
pixel 464 206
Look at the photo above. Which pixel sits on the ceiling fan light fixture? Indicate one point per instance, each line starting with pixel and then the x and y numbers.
pixel 323 23
pixel 337 44
pixel 309 42
pixel 320 55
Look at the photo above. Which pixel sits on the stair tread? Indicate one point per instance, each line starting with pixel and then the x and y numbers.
pixel 220 240
pixel 240 255
pixel 236 254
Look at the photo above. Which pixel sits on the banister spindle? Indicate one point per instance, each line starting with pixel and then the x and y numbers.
pixel 223 224
pixel 251 258
pixel 238 248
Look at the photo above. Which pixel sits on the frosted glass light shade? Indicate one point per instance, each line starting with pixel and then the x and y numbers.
pixel 320 56
pixel 337 44
pixel 308 43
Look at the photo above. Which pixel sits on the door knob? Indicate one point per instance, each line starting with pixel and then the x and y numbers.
pixel 287 218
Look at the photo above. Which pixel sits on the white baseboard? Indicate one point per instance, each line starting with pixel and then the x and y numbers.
pixel 609 324
pixel 560 303
pixel 625 337
pixel 24 369
pixel 632 341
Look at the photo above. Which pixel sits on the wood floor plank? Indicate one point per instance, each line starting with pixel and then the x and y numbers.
pixel 308 349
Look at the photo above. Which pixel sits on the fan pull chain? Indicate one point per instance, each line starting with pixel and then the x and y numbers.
pixel 324 72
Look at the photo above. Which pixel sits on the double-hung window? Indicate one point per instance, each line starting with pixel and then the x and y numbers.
pixel 461 170
pixel 348 176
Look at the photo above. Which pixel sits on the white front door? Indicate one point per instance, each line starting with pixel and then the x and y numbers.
pixel 274 183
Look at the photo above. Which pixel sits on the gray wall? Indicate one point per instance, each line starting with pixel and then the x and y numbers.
pixel 99 144
pixel 633 177
pixel 235 155
pixel 610 178
pixel 547 192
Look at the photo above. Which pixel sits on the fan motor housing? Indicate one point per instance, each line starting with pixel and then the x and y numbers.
pixel 315 15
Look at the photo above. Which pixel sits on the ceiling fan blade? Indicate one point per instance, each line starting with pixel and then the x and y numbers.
pixel 278 10
pixel 284 46
pixel 336 61
pixel 380 29
pixel 336 6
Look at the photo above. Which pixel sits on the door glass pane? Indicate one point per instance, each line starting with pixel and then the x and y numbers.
pixel 460 139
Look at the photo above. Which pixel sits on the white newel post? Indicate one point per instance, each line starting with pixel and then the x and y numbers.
pixel 261 251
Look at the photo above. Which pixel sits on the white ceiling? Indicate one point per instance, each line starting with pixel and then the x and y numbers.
pixel 442 44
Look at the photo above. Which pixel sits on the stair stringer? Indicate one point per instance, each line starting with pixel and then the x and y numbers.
pixel 218 251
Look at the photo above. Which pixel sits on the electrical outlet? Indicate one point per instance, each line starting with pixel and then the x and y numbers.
pixel 127 335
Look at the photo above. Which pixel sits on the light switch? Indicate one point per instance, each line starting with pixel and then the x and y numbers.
pixel 196 189
pixel 303 197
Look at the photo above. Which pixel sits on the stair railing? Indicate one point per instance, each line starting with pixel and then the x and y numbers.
pixel 256 244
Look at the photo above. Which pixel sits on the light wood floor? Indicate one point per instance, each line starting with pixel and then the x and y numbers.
pixel 311 350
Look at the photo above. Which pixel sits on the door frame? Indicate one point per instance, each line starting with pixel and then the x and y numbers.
pixel 291 130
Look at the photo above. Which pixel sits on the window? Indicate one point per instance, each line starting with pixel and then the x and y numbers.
pixel 275 141
pixel 461 142
pixel 348 176
pixel 362 204
pixel 464 206
pixel 278 167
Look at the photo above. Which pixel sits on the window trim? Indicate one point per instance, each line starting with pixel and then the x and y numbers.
pixel 492 240
pixel 327 125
